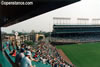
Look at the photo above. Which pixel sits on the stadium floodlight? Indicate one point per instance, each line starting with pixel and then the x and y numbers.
pixel 82 21
pixel 61 20
pixel 96 21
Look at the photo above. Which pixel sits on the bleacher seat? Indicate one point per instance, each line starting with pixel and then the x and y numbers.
pixel 3 61
pixel 11 57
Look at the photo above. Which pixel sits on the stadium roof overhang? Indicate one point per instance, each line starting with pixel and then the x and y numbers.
pixel 16 13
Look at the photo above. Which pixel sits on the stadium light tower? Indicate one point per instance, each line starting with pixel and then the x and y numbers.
pixel 96 21
pixel 61 21
pixel 82 21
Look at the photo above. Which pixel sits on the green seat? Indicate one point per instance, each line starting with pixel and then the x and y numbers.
pixel 11 57
pixel 4 45
pixel 15 47
pixel 11 48
pixel 33 53
pixel 3 61
pixel 8 52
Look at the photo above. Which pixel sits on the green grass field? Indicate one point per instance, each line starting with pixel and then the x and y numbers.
pixel 83 55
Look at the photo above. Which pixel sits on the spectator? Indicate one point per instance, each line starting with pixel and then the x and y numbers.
pixel 13 53
pixel 26 62
pixel 7 43
pixel 55 64
pixel 44 60
pixel 31 56
pixel 19 57
pixel 22 47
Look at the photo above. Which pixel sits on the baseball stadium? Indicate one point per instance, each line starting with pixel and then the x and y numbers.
pixel 68 45
pixel 80 43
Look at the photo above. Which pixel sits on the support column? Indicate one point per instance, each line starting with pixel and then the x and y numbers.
pixel 0 40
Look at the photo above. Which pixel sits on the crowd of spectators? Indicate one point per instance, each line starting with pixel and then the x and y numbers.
pixel 44 52
pixel 50 54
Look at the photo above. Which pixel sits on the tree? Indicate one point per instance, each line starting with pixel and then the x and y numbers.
pixel 29 42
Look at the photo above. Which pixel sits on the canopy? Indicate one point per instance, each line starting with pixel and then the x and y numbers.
pixel 12 14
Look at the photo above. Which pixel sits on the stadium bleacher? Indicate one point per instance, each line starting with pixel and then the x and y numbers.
pixel 76 33
pixel 47 49
pixel 7 51
pixel 4 61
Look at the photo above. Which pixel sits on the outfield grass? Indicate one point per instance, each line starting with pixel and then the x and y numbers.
pixel 83 55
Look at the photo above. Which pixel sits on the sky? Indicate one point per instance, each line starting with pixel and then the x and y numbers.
pixel 83 9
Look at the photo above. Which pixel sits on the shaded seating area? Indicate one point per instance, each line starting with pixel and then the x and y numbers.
pixel 46 54
pixel 4 61
pixel 9 49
